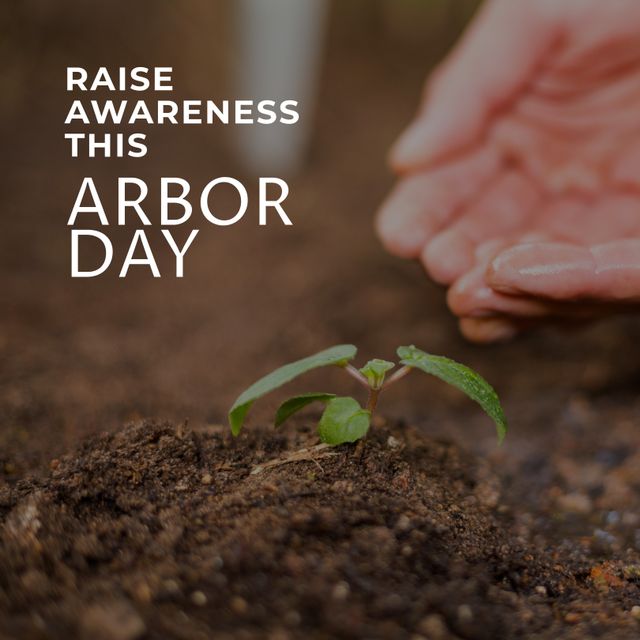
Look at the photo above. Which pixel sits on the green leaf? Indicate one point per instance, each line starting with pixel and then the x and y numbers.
pixel 460 376
pixel 338 355
pixel 375 370
pixel 344 420
pixel 292 405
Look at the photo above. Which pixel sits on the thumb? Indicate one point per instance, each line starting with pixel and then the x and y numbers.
pixel 495 59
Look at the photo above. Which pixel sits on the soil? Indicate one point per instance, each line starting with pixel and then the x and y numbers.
pixel 159 531
pixel 127 510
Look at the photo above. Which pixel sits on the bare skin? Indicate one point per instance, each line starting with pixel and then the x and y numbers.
pixel 519 180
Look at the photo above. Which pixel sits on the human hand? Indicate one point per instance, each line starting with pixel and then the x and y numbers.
pixel 519 184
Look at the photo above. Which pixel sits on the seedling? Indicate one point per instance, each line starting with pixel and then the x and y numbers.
pixel 343 419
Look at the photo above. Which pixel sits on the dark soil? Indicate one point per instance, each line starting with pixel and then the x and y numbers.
pixel 166 532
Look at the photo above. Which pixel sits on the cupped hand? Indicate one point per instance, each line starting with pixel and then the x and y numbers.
pixel 520 177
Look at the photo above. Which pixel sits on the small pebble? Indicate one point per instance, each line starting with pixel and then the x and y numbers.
pixel 541 590
pixel 613 517
pixel 171 587
pixel 434 627
pixel 292 618
pixel 201 536
pixel 393 443
pixel 604 538
pixel 635 612
pixel 114 620
pixel 198 598
pixel 239 605
pixel 142 593
pixel 341 591
pixel 219 580
pixel 206 479
pixel 631 572
pixel 465 613
pixel 403 524
pixel 575 503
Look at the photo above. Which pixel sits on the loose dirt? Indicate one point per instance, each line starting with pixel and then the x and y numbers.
pixel 160 531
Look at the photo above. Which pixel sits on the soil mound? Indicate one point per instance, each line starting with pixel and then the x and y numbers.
pixel 165 532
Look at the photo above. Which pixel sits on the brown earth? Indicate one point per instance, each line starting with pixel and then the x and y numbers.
pixel 159 532
pixel 116 536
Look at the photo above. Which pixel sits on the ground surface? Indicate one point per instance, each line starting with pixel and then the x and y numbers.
pixel 444 534
pixel 172 532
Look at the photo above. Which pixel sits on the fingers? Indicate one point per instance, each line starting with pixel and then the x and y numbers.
pixel 423 203
pixel 487 315
pixel 559 271
pixel 503 329
pixel 471 296
pixel 490 315
pixel 494 60
pixel 488 330
pixel 503 209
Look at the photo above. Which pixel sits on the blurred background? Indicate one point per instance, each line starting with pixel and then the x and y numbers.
pixel 81 356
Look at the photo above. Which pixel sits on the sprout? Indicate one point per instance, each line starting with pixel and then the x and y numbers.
pixel 344 419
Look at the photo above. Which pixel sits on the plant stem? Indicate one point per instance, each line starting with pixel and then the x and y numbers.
pixel 354 373
pixel 372 400
pixel 398 375
pixel 374 393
